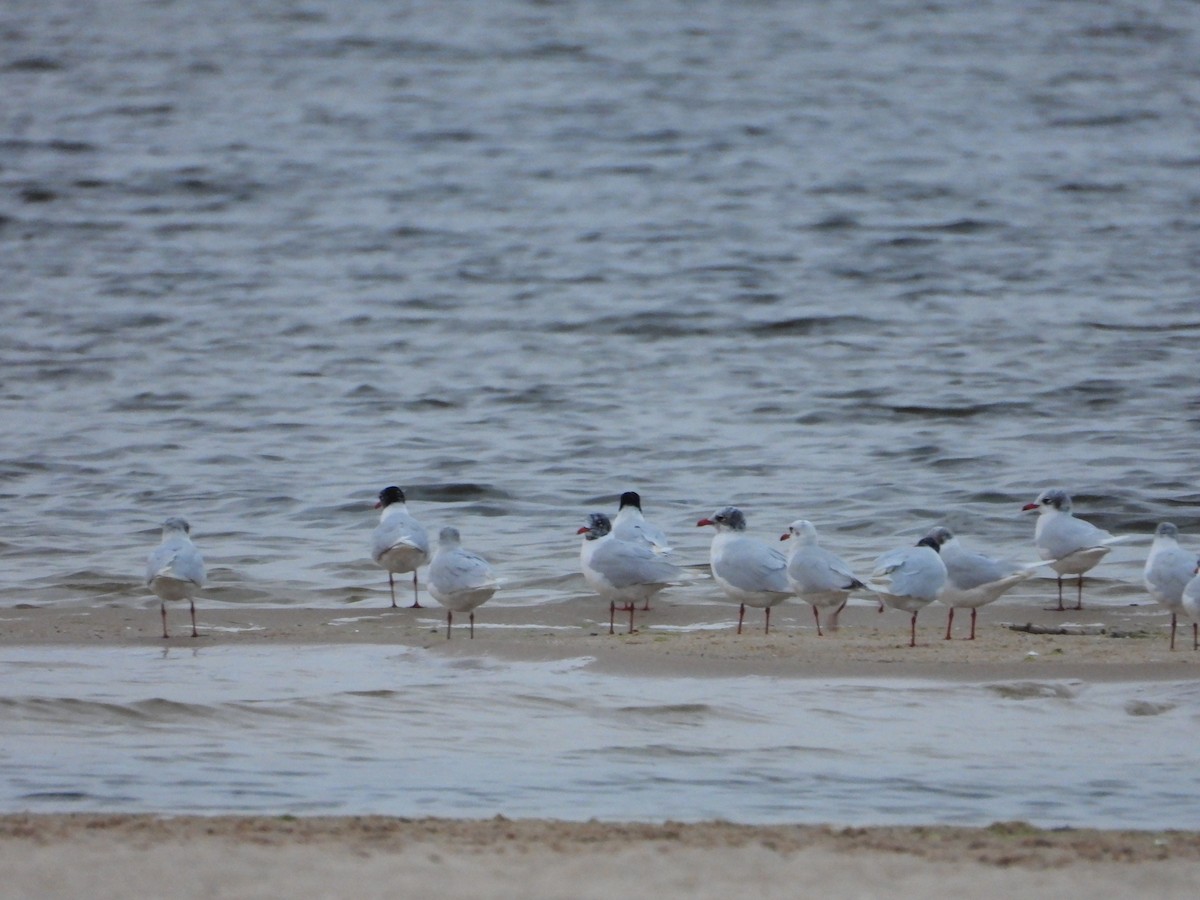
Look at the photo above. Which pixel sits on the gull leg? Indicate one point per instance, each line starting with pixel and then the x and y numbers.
pixel 1172 631
pixel 392 588
pixel 195 633
pixel 449 622
pixel 913 641
pixel 973 611
pixel 817 616
pixel 416 596
pixel 949 622
pixel 612 614
pixel 472 620
pixel 632 607
pixel 1079 600
pixel 741 615
pixel 767 630
pixel 1195 636
pixel 163 609
pixel 1060 607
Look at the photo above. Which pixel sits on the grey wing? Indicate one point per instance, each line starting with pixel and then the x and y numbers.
pixel 398 530
pixel 178 559
pixel 889 562
pixel 625 563
pixel 1170 573
pixel 973 569
pixel 635 531
pixel 754 566
pixel 920 575
pixel 463 570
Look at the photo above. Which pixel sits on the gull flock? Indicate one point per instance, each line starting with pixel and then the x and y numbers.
pixel 626 561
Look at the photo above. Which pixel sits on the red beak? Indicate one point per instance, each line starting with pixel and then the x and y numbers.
pixel 583 530
pixel 378 503
pixel 705 522
pixel 785 535
pixel 1028 506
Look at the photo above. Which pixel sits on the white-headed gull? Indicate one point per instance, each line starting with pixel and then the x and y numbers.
pixel 1072 545
pixel 622 572
pixel 973 579
pixel 459 579
pixel 1168 570
pixel 399 542
pixel 750 572
pixel 818 577
pixel 1191 607
pixel 631 525
pixel 915 575
pixel 175 570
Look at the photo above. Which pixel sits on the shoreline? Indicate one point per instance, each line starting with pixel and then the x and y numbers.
pixel 1127 643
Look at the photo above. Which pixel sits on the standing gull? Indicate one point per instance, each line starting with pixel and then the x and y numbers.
pixel 1072 545
pixel 1168 570
pixel 175 570
pixel 622 572
pixel 972 579
pixel 916 576
pixel 459 579
pixel 631 525
pixel 817 576
pixel 750 572
pixel 399 542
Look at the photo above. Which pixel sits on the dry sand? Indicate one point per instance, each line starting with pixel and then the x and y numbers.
pixel 98 856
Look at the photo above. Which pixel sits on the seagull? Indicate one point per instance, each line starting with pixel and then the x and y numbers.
pixel 1072 545
pixel 1191 606
pixel 459 579
pixel 175 570
pixel 631 525
pixel 916 574
pixel 1168 570
pixel 750 572
pixel 972 579
pixel 399 542
pixel 817 576
pixel 622 572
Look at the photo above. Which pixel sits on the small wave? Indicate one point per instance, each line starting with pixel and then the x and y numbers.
pixel 1032 690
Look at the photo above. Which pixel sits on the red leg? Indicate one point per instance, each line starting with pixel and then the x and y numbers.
pixel 913 641
pixel 973 611
pixel 949 622
pixel 416 596
pixel 817 616
pixel 195 633
pixel 741 615
pixel 163 609
pixel 646 606
pixel 1060 607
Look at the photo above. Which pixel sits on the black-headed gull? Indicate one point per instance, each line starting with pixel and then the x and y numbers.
pixel 972 579
pixel 631 525
pixel 399 542
pixel 915 575
pixel 175 570
pixel 622 572
pixel 750 572
pixel 1191 606
pixel 459 579
pixel 1071 545
pixel 1168 570
pixel 818 577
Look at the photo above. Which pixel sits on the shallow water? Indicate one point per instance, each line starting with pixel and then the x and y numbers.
pixel 878 265
pixel 402 732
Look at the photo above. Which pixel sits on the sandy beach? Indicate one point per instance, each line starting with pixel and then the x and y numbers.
pixel 252 856
pixel 97 856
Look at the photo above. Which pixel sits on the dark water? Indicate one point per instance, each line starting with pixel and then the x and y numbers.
pixel 875 264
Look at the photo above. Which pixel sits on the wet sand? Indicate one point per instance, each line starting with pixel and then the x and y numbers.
pixel 1125 643
pixel 100 856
